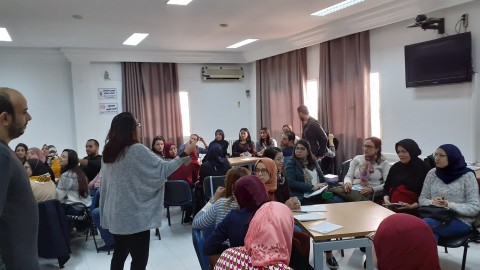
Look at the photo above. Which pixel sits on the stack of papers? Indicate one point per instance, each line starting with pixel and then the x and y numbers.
pixel 325 227
pixel 313 208
pixel 309 217
pixel 316 192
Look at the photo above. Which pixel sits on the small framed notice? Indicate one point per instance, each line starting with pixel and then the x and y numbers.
pixel 108 108
pixel 107 93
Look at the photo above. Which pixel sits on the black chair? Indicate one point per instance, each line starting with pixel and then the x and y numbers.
pixel 344 170
pixel 84 222
pixel 210 185
pixel 460 241
pixel 177 193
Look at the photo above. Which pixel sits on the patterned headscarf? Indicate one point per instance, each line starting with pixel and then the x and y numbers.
pixel 269 236
pixel 52 154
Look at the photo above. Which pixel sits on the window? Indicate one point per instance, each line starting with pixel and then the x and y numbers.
pixel 310 98
pixel 185 111
pixel 375 104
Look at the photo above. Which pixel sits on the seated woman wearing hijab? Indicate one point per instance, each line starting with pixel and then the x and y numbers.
pixel 283 191
pixel 250 194
pixel 366 174
pixel 216 164
pixel 220 139
pixel 268 242
pixel 43 187
pixel 35 153
pixel 266 170
pixel 405 179
pixel 405 242
pixel 452 185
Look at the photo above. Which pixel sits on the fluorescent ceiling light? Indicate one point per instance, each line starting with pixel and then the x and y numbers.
pixel 242 43
pixel 179 2
pixel 134 39
pixel 4 36
pixel 336 7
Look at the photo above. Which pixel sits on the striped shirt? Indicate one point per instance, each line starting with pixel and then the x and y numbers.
pixel 213 213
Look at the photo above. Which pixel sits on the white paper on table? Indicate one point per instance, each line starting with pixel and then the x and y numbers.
pixel 325 227
pixel 313 208
pixel 316 192
pixel 357 187
pixel 309 217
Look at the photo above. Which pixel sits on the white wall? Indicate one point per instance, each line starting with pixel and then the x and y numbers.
pixel 430 115
pixel 217 104
pixel 44 78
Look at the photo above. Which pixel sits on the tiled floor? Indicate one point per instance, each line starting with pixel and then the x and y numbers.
pixel 175 251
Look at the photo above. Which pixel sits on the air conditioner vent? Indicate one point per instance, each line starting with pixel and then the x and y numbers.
pixel 230 73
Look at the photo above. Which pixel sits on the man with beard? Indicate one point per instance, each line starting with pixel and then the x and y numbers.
pixel 92 163
pixel 18 208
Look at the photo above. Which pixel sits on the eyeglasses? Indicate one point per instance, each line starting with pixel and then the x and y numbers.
pixel 368 146
pixel 300 148
pixel 260 171
pixel 139 124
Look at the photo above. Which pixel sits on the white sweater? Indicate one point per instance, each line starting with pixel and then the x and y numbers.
pixel 376 179
pixel 461 194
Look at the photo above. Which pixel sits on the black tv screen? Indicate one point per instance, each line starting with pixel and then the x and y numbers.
pixel 439 61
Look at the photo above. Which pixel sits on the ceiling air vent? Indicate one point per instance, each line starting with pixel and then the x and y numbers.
pixel 220 73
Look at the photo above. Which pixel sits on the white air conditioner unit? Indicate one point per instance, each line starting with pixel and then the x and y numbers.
pixel 230 73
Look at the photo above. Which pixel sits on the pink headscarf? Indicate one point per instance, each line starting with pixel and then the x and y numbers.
pixel 269 237
pixel 405 242
pixel 39 153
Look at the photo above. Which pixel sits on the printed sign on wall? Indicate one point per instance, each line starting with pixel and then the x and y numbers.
pixel 108 108
pixel 107 93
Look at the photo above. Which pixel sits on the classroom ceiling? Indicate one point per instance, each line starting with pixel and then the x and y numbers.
pixel 281 25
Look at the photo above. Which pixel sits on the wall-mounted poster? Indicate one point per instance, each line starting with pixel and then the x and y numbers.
pixel 107 93
pixel 108 108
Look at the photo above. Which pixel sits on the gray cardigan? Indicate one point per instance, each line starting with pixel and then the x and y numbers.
pixel 461 194
pixel 132 188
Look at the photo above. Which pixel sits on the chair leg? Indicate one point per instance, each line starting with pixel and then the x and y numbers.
pixel 464 260
pixel 446 251
pixel 94 229
pixel 183 213
pixel 168 216
pixel 157 233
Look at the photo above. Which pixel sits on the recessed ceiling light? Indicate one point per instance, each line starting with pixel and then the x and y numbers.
pixel 179 2
pixel 336 7
pixel 134 39
pixel 4 36
pixel 242 43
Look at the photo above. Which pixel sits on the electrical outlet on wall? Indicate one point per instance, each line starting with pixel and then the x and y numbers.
pixel 465 20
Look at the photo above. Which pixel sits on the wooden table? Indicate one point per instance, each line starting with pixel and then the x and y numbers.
pixel 358 220
pixel 242 161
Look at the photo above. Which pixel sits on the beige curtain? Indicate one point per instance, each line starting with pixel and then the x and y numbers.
pixel 151 93
pixel 280 83
pixel 344 96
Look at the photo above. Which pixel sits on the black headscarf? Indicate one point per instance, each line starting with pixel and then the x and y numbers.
pixel 223 143
pixel 456 165
pixel 38 167
pixel 215 156
pixel 412 174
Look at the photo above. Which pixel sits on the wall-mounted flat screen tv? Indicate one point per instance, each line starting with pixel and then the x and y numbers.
pixel 439 61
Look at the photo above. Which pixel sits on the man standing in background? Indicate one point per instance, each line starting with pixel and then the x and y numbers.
pixel 313 132
pixel 18 208
pixel 92 163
